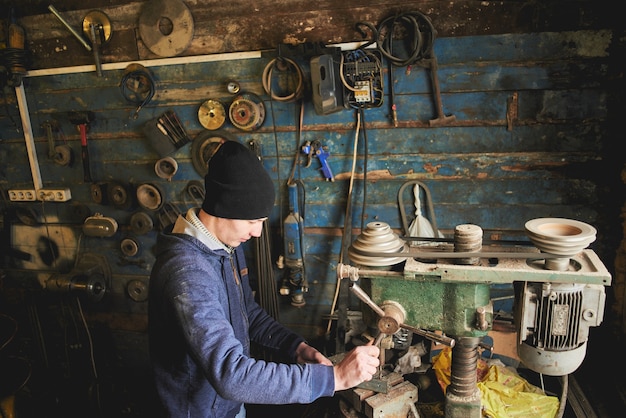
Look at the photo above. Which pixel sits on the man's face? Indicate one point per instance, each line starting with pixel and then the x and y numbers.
pixel 233 232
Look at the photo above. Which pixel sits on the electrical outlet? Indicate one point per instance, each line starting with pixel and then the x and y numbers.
pixel 54 195
pixel 22 195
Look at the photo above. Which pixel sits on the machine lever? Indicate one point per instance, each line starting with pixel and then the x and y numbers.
pixel 433 336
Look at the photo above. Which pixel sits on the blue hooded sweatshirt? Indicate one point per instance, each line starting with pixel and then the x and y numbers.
pixel 202 319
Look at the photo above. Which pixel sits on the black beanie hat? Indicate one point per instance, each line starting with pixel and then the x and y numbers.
pixel 237 185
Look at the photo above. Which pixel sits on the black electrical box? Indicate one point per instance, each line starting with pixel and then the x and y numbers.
pixel 326 84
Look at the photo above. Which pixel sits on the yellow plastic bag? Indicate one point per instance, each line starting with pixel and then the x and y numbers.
pixel 504 394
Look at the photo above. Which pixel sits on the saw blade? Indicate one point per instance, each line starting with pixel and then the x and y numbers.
pixel 212 114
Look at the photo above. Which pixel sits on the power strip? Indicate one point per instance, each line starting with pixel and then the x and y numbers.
pixel 45 195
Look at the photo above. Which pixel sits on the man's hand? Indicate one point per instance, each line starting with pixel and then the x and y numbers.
pixel 307 354
pixel 359 365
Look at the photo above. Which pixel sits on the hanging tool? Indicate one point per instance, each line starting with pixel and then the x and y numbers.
pixel 60 154
pixel 294 282
pixel 441 118
pixel 97 27
pixel 82 120
pixel 70 28
pixel 316 149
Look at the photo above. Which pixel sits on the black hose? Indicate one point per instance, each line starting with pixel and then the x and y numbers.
pixel 138 87
pixel 417 32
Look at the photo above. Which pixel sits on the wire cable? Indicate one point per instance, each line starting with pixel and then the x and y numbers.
pixel 266 79
pixel 138 87
pixel 347 222
pixel 415 29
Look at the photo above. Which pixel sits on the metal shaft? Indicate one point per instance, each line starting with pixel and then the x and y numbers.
pixel 69 27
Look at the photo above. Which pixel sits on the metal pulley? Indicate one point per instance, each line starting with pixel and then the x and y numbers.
pixel 377 236
pixel 247 112
pixel 212 114
pixel 120 195
pixel 141 223
pixel 97 28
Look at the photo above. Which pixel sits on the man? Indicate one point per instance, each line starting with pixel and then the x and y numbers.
pixel 202 313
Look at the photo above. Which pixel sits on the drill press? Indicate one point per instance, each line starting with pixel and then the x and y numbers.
pixel 558 283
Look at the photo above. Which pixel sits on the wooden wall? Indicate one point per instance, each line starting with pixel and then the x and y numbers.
pixel 533 88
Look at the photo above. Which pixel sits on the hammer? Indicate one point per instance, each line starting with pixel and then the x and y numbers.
pixel 81 120
pixel 441 118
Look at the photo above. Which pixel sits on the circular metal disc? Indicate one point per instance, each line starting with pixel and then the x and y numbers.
pixel 141 223
pixel 247 112
pixel 120 195
pixel 97 17
pixel 166 27
pixel 203 147
pixel 212 114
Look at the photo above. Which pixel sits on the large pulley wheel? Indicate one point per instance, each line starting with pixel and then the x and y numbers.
pixel 166 27
pixel 204 146
pixel 247 112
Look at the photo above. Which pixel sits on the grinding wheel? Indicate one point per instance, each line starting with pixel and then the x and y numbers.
pixel 166 27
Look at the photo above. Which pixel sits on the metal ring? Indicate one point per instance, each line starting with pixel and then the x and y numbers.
pixel 129 247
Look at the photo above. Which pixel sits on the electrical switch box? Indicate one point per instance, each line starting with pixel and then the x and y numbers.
pixel 362 79
pixel 326 84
